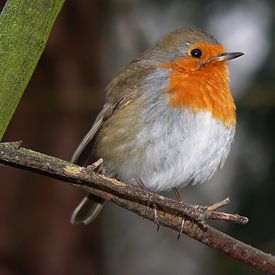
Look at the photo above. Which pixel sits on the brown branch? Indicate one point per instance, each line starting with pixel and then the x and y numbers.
pixel 218 205
pixel 170 213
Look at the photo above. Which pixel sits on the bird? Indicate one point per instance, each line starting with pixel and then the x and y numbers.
pixel 169 118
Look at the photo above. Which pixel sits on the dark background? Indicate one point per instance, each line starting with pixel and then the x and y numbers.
pixel 90 41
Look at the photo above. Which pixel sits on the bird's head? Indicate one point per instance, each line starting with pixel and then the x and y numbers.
pixel 190 49
pixel 198 72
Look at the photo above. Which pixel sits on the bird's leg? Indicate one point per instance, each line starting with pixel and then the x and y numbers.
pixel 177 194
pixel 143 186
pixel 179 199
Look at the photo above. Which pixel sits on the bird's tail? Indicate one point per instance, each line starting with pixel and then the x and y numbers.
pixel 87 210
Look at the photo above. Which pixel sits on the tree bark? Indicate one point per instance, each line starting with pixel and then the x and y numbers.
pixel 174 215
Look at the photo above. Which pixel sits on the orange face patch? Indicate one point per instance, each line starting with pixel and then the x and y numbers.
pixel 201 84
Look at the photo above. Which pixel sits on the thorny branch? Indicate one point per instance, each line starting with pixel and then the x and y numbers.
pixel 169 212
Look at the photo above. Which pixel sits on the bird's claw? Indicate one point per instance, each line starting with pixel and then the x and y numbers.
pixel 181 228
pixel 156 218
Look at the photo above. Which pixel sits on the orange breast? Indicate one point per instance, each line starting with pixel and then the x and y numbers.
pixel 206 89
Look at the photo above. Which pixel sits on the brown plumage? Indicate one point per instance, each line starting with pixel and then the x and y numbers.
pixel 169 118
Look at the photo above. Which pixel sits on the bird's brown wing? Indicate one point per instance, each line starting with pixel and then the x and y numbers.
pixel 83 154
pixel 90 206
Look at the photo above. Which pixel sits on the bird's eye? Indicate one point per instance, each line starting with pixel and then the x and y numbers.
pixel 197 53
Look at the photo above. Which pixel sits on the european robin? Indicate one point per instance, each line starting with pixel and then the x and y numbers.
pixel 168 121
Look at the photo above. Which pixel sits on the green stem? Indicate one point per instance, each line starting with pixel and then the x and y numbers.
pixel 24 30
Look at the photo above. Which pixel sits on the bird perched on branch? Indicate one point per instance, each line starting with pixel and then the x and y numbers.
pixel 168 121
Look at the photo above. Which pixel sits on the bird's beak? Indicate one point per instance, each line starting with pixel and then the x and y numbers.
pixel 225 56
pixel 220 57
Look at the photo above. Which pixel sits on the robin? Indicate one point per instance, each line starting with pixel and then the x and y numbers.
pixel 168 121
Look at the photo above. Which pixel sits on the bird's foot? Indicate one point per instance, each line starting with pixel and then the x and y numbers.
pixel 143 186
pixel 156 218
pixel 181 228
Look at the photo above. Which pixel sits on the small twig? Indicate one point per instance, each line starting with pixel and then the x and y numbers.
pixel 97 164
pixel 170 213
pixel 209 213
pixel 227 217
pixel 218 205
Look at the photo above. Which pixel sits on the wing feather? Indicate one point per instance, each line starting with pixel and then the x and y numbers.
pixel 84 151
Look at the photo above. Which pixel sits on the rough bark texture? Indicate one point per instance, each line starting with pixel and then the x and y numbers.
pixel 141 202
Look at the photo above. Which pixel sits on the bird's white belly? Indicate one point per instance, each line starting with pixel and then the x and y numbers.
pixel 180 148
